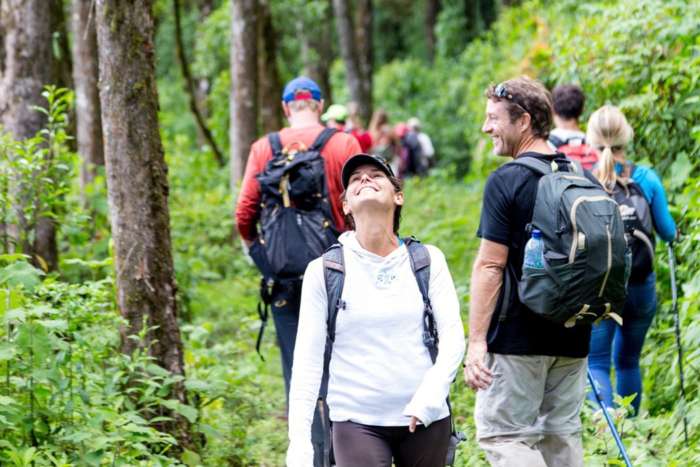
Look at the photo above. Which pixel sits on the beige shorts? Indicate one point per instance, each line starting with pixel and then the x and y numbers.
pixel 531 396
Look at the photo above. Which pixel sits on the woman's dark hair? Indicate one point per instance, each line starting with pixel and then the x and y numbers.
pixel 568 101
pixel 398 186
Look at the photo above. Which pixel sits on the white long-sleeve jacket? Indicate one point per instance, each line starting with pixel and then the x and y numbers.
pixel 380 370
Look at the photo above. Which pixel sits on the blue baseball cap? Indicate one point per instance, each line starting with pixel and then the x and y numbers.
pixel 301 88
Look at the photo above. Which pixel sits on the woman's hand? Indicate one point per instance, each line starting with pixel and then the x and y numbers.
pixel 412 424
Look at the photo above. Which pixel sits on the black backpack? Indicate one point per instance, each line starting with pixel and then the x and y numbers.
pixel 334 275
pixel 296 223
pixel 583 279
pixel 639 227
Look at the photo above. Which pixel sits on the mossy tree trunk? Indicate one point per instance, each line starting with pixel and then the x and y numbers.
pixel 87 97
pixel 432 9
pixel 243 104
pixel 363 35
pixel 269 90
pixel 137 186
pixel 317 50
pixel 28 66
pixel 350 53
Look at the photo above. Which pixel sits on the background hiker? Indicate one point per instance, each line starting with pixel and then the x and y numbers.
pixel 426 144
pixel 529 372
pixel 642 199
pixel 387 398
pixel 302 104
pixel 355 127
pixel 384 141
pixel 567 137
pixel 335 116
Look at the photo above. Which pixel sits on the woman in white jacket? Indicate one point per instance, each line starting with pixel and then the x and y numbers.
pixel 386 398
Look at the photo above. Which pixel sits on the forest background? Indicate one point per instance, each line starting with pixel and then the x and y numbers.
pixel 122 367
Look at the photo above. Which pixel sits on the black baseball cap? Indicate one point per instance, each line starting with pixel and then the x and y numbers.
pixel 362 159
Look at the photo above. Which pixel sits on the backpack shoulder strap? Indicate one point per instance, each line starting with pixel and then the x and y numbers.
pixel 534 164
pixel 275 144
pixel 322 139
pixel 420 264
pixel 556 141
pixel 334 276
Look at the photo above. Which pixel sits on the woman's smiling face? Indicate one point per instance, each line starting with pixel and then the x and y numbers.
pixel 369 185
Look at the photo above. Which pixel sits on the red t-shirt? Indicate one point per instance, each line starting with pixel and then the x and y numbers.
pixel 336 151
pixel 363 137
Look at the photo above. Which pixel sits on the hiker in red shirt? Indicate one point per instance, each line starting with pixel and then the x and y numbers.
pixel 567 137
pixel 302 103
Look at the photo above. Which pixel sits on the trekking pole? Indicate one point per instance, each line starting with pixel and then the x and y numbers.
pixel 616 435
pixel 676 319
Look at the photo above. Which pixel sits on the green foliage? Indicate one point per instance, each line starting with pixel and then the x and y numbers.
pixel 35 174
pixel 68 395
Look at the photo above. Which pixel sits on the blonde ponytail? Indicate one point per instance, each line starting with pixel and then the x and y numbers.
pixel 606 169
pixel 608 127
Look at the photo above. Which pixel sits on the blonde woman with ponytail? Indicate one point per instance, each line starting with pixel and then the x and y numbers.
pixel 610 134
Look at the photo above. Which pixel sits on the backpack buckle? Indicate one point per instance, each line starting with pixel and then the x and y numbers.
pixel 428 339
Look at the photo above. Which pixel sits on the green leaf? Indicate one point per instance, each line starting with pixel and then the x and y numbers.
pixel 21 273
pixel 7 351
pixel 33 336
pixel 191 458
pixel 4 400
pixel 157 370
pixel 187 411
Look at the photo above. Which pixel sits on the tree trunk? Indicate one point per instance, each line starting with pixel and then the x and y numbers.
pixel 317 51
pixel 87 98
pixel 203 83
pixel 349 52
pixel 137 186
pixel 363 34
pixel 244 85
pixel 432 9
pixel 62 61
pixel 26 30
pixel 28 67
pixel 190 87
pixel 269 83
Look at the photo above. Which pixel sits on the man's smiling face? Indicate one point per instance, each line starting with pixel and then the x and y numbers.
pixel 504 133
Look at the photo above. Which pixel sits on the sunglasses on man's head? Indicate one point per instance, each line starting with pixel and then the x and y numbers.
pixel 501 92
pixel 615 148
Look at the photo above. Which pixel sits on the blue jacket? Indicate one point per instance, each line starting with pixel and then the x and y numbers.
pixel 650 183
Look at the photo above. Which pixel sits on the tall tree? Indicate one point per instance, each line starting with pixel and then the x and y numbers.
pixel 244 84
pixel 349 52
pixel 269 83
pixel 87 97
pixel 28 67
pixel 363 35
pixel 317 49
pixel 137 186
pixel 191 87
pixel 432 9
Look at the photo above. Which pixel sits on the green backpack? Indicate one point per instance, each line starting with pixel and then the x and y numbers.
pixel 585 252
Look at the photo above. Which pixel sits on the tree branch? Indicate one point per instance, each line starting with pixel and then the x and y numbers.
pixel 190 87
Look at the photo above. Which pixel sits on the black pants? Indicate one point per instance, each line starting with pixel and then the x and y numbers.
pixel 376 446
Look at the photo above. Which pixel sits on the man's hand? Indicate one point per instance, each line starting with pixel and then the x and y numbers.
pixel 476 374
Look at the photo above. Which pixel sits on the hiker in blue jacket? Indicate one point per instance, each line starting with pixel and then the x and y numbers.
pixel 386 397
pixel 610 134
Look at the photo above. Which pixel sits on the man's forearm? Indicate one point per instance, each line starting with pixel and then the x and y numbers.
pixel 486 283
